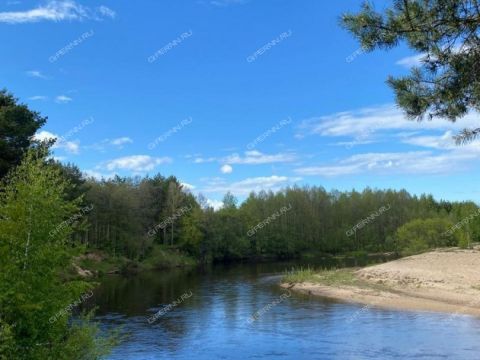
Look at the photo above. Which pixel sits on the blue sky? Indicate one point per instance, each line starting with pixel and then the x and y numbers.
pixel 235 95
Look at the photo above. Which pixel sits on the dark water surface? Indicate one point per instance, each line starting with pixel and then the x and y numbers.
pixel 213 320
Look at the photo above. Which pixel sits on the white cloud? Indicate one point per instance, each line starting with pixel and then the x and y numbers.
pixel 117 142
pixel 44 135
pixel 255 157
pixel 223 3
pixel 200 160
pixel 252 157
pixel 411 61
pixel 72 147
pixel 36 74
pixel 98 175
pixel 187 186
pixel 364 123
pixel 136 163
pixel 388 123
pixel 107 12
pixel 244 187
pixel 69 146
pixel 413 162
pixel 56 10
pixel 37 97
pixel 215 204
pixel 418 59
pixel 226 169
pixel 121 141
pixel 62 99
pixel 441 142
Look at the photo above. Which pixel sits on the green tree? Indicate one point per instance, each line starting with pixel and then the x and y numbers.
pixel 446 34
pixel 35 228
pixel 17 126
pixel 229 201
pixel 191 236
pixel 174 196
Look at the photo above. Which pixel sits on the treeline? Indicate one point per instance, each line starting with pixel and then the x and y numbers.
pixel 130 215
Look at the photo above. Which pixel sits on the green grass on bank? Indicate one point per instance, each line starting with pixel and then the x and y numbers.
pixel 324 277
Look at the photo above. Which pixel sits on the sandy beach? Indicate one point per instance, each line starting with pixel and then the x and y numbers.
pixel 444 280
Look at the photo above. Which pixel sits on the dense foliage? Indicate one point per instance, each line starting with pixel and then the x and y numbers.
pixel 18 124
pixel 131 215
pixel 35 302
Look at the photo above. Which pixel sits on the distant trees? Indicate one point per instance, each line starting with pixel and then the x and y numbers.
pixel 126 211
pixel 446 34
pixel 18 124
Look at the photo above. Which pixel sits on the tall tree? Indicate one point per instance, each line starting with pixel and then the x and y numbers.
pixel 174 197
pixel 17 126
pixel 34 248
pixel 446 34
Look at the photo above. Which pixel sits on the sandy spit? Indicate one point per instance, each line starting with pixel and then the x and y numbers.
pixel 445 280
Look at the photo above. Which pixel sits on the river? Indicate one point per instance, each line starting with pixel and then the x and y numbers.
pixel 207 314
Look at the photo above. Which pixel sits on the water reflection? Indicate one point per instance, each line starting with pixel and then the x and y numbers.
pixel 213 322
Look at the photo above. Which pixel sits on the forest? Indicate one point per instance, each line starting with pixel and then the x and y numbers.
pixel 125 211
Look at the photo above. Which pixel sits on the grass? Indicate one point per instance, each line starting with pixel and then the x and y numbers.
pixel 324 277
pixel 299 275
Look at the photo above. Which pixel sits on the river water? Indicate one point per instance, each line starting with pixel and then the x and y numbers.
pixel 239 312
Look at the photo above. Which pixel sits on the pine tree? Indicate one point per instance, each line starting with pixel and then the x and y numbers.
pixel 445 33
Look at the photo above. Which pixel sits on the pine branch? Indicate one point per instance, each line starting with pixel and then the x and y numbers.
pixel 466 136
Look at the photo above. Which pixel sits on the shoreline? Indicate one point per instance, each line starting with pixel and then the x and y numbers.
pixel 444 280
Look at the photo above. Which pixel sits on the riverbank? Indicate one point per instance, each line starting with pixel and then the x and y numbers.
pixel 444 280
pixel 98 263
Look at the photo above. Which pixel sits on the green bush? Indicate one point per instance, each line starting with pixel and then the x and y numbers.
pixel 420 235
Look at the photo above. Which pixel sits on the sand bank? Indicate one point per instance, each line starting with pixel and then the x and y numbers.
pixel 442 280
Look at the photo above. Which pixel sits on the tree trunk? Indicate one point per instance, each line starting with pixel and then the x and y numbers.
pixel 28 236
